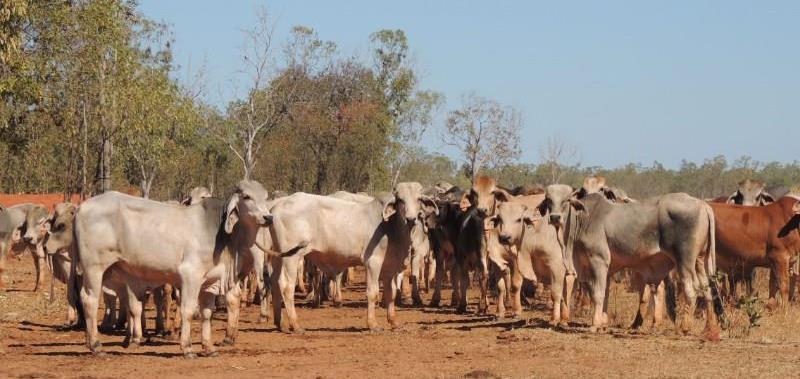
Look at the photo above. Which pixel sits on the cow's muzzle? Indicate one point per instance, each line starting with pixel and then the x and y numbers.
pixel 28 239
pixel 505 239
pixel 267 220
pixel 555 218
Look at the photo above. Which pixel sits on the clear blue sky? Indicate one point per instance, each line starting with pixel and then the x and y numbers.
pixel 625 81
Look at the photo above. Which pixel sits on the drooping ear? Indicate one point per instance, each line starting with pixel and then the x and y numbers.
pixel 577 204
pixel 579 193
pixel 490 223
pixel 389 209
pixel 765 198
pixel 735 198
pixel 543 207
pixel 465 202
pixel 609 194
pixel 429 205
pixel 502 195
pixel 796 208
pixel 232 213
pixel 529 216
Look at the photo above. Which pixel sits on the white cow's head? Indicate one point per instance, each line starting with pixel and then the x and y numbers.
pixel 248 206
pixel 61 224
pixel 751 193
pixel 411 203
pixel 510 221
pixel 557 202
pixel 35 226
pixel 196 195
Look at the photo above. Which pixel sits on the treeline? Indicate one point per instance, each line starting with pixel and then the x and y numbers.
pixel 89 102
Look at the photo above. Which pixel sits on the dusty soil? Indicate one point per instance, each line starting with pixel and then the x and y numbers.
pixel 432 343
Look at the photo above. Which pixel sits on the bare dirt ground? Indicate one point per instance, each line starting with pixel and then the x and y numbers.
pixel 432 343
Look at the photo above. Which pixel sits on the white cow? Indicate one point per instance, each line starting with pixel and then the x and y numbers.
pixel 198 248
pixel 336 234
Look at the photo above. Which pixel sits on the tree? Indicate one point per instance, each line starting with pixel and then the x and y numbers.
pixel 267 100
pixel 557 155
pixel 486 133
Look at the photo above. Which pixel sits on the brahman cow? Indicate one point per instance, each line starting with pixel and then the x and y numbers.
pixel 336 234
pixel 198 248
pixel 22 228
pixel 649 237
pixel 766 236
pixel 533 251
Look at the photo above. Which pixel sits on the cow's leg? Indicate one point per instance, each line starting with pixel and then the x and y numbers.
pixel 712 329
pixel 277 292
pixel 483 283
pixel 501 295
pixel 780 270
pixel 265 292
pixel 337 289
pixel 687 274
pixel 301 277
pixel 516 292
pixel 598 283
pixel 416 299
pixel 460 285
pixel 261 291
pixel 316 285
pixel 37 253
pixel 569 285
pixel 430 273
pixel 207 305
pixel 389 293
pixel 660 303
pixel 557 272
pixel 644 303
pixel 109 313
pixel 436 298
pixel 233 300
pixel 90 297
pixel 190 291
pixel 287 279
pixel 373 268
pixel 159 299
pixel 135 307
pixel 72 302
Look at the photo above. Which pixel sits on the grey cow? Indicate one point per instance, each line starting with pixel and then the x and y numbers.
pixel 649 237
pixel 23 227
pixel 196 248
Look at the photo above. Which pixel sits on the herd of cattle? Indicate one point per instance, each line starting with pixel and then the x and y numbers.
pixel 571 240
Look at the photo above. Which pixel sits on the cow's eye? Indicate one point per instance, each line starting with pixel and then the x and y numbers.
pixel 58 227
pixel 519 220
pixel 246 197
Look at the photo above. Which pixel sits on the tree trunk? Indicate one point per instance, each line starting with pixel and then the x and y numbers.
pixel 104 165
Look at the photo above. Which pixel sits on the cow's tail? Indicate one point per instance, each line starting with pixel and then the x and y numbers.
pixel 75 279
pixel 711 264
pixel 49 259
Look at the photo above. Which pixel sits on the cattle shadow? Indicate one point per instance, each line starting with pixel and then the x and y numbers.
pixel 346 329
pixel 507 325
pixel 154 354
pixel 39 325
pixel 457 321
pixel 55 344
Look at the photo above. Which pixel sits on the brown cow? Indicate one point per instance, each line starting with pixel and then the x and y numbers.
pixel 749 237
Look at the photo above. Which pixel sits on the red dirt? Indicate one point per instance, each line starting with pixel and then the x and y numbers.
pixel 433 343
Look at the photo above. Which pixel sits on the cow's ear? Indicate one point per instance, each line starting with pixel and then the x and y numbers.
pixel 530 216
pixel 232 213
pixel 465 202
pixel 765 198
pixel 735 198
pixel 186 201
pixel 609 194
pixel 429 205
pixel 543 207
pixel 389 209
pixel 796 208
pixel 579 193
pixel 577 204
pixel 501 195
pixel 490 223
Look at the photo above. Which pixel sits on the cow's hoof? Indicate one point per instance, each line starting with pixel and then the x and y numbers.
pixel 263 319
pixel 461 310
pixel 711 334
pixel 189 355
pixel 131 345
pixel 228 341
pixel 553 323
pixel 209 354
